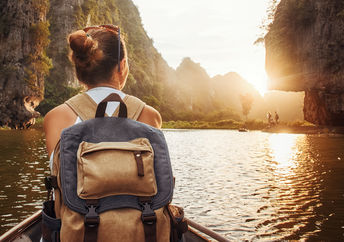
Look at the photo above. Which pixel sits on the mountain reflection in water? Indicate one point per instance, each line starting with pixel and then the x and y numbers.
pixel 246 186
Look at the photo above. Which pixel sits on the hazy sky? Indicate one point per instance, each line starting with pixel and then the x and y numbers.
pixel 218 34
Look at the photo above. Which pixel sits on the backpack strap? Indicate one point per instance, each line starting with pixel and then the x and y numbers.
pixel 134 106
pixel 91 221
pixel 148 218
pixel 85 107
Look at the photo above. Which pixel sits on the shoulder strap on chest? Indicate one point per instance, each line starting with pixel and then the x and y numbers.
pixel 84 106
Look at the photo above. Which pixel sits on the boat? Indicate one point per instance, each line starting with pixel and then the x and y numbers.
pixel 243 130
pixel 29 230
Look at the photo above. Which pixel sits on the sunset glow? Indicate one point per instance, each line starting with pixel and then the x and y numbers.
pixel 257 78
pixel 220 36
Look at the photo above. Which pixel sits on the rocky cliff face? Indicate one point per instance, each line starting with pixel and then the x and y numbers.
pixel 62 19
pixel 23 65
pixel 304 52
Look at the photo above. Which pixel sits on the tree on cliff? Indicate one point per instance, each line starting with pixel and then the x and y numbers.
pixel 246 103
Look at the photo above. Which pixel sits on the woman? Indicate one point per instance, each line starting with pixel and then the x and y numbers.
pixel 101 63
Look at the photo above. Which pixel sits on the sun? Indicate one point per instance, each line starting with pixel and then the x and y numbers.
pixel 258 78
pixel 261 86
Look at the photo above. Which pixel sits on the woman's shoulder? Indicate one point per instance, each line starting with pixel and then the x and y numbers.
pixel 60 116
pixel 61 111
pixel 151 116
pixel 55 121
pixel 147 114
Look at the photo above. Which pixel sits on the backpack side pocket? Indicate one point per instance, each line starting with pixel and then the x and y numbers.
pixel 179 224
pixel 51 226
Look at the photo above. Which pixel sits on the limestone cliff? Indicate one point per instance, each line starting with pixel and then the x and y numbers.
pixel 304 52
pixel 193 87
pixel 23 63
pixel 62 19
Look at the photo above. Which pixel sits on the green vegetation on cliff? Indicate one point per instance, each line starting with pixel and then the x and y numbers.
pixel 37 62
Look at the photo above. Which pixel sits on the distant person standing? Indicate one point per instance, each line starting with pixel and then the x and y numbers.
pixel 276 117
pixel 269 116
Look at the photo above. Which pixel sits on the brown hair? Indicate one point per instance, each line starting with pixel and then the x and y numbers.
pixel 95 54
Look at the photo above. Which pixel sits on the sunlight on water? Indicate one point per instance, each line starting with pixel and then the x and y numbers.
pixel 284 151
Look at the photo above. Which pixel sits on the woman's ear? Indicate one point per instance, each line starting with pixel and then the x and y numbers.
pixel 123 72
pixel 124 65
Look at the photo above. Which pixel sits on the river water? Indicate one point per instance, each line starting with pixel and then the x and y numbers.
pixel 251 186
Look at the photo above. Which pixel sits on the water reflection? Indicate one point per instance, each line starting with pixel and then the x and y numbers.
pixel 288 197
pixel 23 162
pixel 247 186
pixel 284 151
pixel 301 166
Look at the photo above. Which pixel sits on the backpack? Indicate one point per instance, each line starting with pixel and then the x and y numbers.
pixel 112 178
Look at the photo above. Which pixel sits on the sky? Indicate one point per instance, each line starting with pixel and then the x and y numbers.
pixel 218 34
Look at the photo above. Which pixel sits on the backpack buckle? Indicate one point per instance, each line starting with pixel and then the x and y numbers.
pixel 50 183
pixel 92 217
pixel 148 215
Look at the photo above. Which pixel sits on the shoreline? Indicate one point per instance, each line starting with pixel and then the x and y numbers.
pixel 305 130
pixel 292 128
pixel 297 127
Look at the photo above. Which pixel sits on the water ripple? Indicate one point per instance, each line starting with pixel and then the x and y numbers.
pixel 24 164
pixel 257 186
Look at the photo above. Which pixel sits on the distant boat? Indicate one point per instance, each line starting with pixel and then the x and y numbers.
pixel 243 130
pixel 30 230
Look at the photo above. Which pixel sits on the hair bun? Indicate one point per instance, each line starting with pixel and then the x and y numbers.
pixel 83 47
pixel 80 43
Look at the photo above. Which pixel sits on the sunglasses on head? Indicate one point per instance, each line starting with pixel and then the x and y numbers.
pixel 111 28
